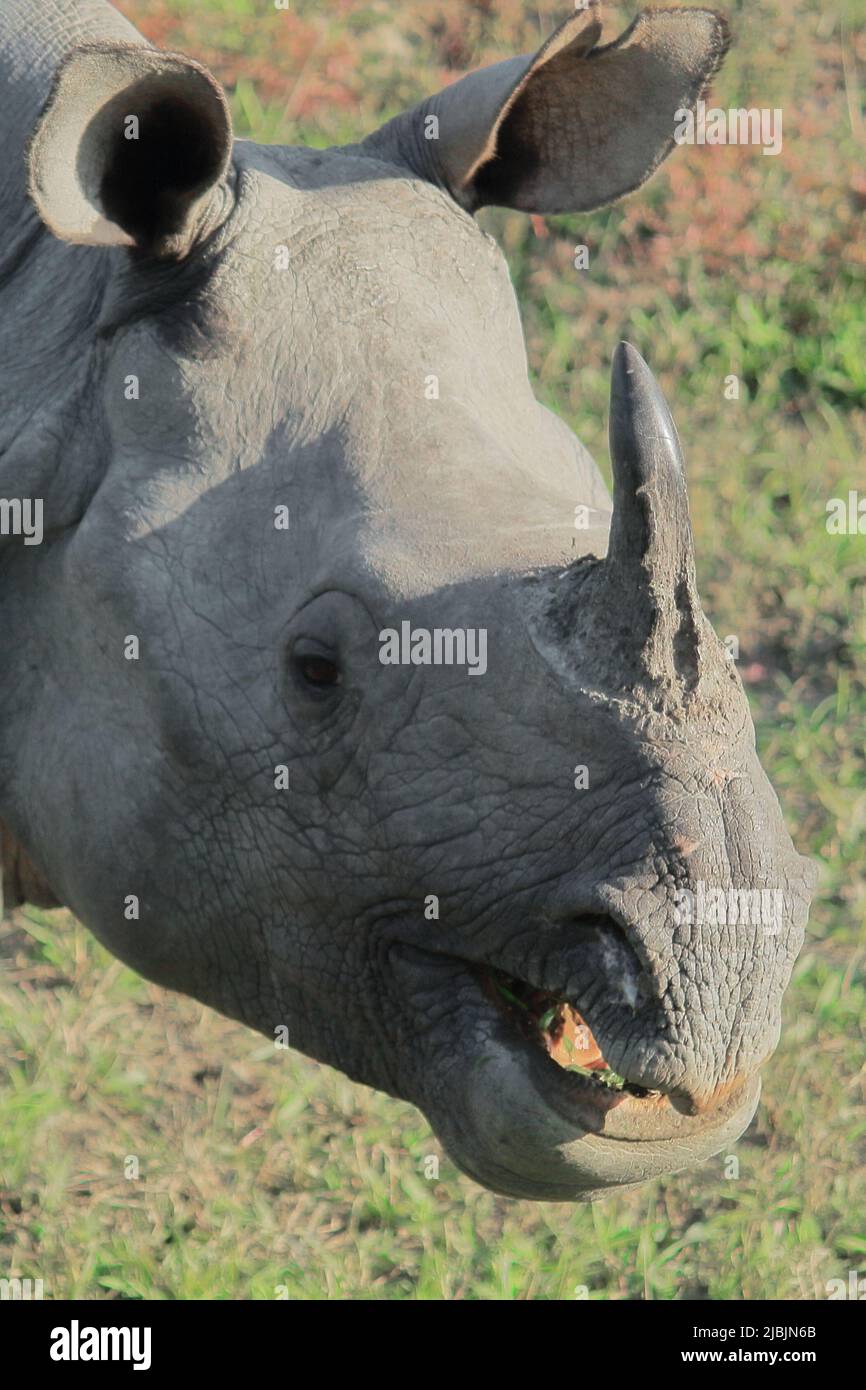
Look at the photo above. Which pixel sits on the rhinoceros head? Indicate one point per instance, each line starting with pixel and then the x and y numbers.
pixel 325 711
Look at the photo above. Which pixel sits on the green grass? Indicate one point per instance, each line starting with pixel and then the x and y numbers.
pixel 262 1172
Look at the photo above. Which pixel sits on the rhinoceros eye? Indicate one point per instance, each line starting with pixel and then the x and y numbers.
pixel 315 668
pixel 318 670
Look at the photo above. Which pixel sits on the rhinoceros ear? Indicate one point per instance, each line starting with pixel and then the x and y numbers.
pixel 573 126
pixel 130 148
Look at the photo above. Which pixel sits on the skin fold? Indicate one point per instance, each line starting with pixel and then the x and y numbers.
pixel 275 403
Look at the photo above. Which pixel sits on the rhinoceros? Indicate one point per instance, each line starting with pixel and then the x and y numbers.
pixel 336 693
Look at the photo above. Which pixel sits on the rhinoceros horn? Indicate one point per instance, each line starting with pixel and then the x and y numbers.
pixel 650 561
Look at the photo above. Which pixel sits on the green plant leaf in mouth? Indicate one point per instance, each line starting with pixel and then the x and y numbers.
pixel 511 998
pixel 604 1076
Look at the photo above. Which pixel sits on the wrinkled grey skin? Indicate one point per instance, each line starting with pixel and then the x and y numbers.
pixel 305 387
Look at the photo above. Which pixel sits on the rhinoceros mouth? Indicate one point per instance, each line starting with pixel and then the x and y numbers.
pixel 572 1073
pixel 555 1024
pixel 525 1114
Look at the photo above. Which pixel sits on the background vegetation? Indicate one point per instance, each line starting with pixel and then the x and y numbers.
pixel 262 1169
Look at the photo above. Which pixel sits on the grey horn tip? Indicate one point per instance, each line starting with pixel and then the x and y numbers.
pixel 650 506
pixel 628 362
pixel 642 432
